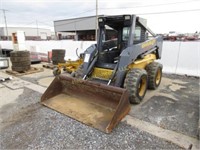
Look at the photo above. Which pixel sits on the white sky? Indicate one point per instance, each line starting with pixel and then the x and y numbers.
pixel 162 15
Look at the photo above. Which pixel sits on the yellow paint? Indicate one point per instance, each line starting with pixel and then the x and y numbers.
pixel 142 86
pixel 142 63
pixel 148 43
pixel 70 66
pixel 158 76
pixel 102 73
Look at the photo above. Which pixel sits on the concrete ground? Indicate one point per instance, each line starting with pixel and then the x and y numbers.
pixel 166 119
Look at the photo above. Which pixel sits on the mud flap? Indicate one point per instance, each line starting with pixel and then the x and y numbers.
pixel 94 104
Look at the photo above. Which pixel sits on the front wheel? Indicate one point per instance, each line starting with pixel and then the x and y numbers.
pixel 136 84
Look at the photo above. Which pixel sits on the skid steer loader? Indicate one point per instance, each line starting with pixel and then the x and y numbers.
pixel 115 72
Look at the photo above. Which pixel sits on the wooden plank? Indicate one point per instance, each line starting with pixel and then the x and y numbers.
pixel 49 66
pixel 30 71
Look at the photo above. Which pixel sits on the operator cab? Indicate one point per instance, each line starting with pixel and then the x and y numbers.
pixel 114 36
pixel 112 39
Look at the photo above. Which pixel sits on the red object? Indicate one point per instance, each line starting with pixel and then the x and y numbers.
pixel 49 56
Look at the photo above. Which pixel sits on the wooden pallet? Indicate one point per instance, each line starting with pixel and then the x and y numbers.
pixel 49 66
pixel 30 71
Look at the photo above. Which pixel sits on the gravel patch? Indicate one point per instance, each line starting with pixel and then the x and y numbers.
pixel 29 125
pixel 39 127
pixel 28 98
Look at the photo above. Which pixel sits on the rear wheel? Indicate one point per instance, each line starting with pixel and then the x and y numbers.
pixel 154 71
pixel 136 84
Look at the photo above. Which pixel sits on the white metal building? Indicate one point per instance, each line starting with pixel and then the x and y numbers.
pixel 84 27
pixel 30 33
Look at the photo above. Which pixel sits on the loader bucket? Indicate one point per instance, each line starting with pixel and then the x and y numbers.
pixel 94 104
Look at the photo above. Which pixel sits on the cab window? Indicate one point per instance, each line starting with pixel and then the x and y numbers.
pixel 137 34
pixel 125 33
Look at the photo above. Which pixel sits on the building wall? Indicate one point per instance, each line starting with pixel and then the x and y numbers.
pixel 30 33
pixel 84 28
pixel 77 24
pixel 1 31
pixel 177 57
pixel 65 35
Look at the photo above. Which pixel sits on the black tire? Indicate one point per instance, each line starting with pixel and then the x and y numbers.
pixel 19 54
pixel 21 69
pixel 19 59
pixel 78 73
pixel 136 84
pixel 56 71
pixel 58 51
pixel 154 71
pixel 58 56
pixel 56 62
pixel 58 59
pixel 19 64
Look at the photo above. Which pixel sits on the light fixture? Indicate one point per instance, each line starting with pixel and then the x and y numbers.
pixel 127 17
pixel 100 20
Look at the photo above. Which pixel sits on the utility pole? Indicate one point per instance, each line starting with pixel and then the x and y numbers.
pixel 37 30
pixel 4 13
pixel 96 20
pixel 76 36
